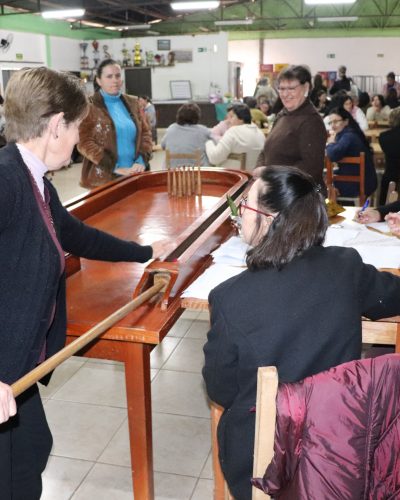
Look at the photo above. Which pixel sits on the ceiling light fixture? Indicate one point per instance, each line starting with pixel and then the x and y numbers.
pixel 339 19
pixel 125 27
pixel 328 2
pixel 233 22
pixel 195 5
pixel 62 14
pixel 91 24
pixel 155 21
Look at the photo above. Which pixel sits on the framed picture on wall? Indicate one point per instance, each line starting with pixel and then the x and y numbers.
pixel 180 89
pixel 163 44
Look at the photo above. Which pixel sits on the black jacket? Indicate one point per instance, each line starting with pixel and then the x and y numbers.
pixel 30 267
pixel 303 319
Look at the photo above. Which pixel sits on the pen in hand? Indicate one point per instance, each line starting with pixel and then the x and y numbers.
pixel 365 206
pixel 360 214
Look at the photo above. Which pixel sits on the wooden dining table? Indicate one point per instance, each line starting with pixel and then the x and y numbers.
pixel 139 208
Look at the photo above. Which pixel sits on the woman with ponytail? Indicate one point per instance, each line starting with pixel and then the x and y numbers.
pixel 298 307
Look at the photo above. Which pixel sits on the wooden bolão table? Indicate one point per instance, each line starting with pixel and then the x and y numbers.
pixel 139 208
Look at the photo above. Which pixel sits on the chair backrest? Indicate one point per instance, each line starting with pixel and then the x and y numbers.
pixel 193 158
pixel 267 387
pixel 343 392
pixel 240 157
pixel 392 194
pixel 331 177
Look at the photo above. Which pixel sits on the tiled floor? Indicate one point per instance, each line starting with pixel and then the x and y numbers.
pixel 86 407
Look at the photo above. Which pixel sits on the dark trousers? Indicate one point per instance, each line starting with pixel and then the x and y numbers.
pixel 25 444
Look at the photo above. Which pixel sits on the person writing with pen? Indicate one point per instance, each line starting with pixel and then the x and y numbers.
pixel 390 213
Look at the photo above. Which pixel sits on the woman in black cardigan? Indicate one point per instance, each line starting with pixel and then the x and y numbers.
pixel 298 307
pixel 43 110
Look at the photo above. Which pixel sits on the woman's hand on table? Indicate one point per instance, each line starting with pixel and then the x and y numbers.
pixel 162 248
pixel 368 215
pixel 8 407
pixel 136 168
pixel 393 220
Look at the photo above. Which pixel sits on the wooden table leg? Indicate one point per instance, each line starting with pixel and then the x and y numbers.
pixel 137 375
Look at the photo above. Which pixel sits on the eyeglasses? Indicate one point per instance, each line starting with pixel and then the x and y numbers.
pixel 289 90
pixel 243 206
pixel 333 122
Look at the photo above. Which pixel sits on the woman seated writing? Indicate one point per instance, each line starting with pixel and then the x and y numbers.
pixel 347 139
pixel 242 137
pixel 280 310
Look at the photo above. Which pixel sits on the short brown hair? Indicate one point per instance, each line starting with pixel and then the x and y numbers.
pixel 188 114
pixel 34 95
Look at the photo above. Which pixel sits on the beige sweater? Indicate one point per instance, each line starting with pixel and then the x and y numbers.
pixel 246 138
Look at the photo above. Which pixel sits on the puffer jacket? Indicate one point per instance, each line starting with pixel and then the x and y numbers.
pixel 98 141
pixel 337 435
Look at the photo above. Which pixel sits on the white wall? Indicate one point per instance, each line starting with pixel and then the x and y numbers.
pixel 206 67
pixel 65 54
pixel 246 52
pixel 358 54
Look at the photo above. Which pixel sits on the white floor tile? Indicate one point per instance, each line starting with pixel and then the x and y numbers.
pixel 179 393
pixel 173 487
pixel 99 384
pixel 181 327
pixel 198 330
pixel 189 314
pixel 62 477
pixel 160 354
pixel 80 430
pixel 181 444
pixel 106 482
pixel 61 375
pixel 187 357
pixel 204 490
pixel 207 472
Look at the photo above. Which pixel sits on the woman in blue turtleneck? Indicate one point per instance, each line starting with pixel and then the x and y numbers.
pixel 114 138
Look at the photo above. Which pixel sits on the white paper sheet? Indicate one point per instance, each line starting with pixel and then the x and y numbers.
pixel 213 276
pixel 382 227
pixel 231 252
pixel 375 248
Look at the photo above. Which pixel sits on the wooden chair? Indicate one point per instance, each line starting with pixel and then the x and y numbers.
pixel 193 158
pixel 331 177
pixel 240 157
pixel 373 332
pixel 267 387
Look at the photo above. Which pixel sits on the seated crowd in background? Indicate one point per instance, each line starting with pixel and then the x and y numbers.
pixel 242 136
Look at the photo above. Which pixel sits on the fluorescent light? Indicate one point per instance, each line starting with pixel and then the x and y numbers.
pixel 93 25
pixel 233 22
pixel 327 2
pixel 155 21
pixel 125 27
pixel 340 19
pixel 62 14
pixel 195 5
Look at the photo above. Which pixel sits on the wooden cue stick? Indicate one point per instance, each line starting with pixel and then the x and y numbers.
pixel 50 364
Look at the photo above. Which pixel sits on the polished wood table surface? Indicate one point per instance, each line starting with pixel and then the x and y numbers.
pixel 139 208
